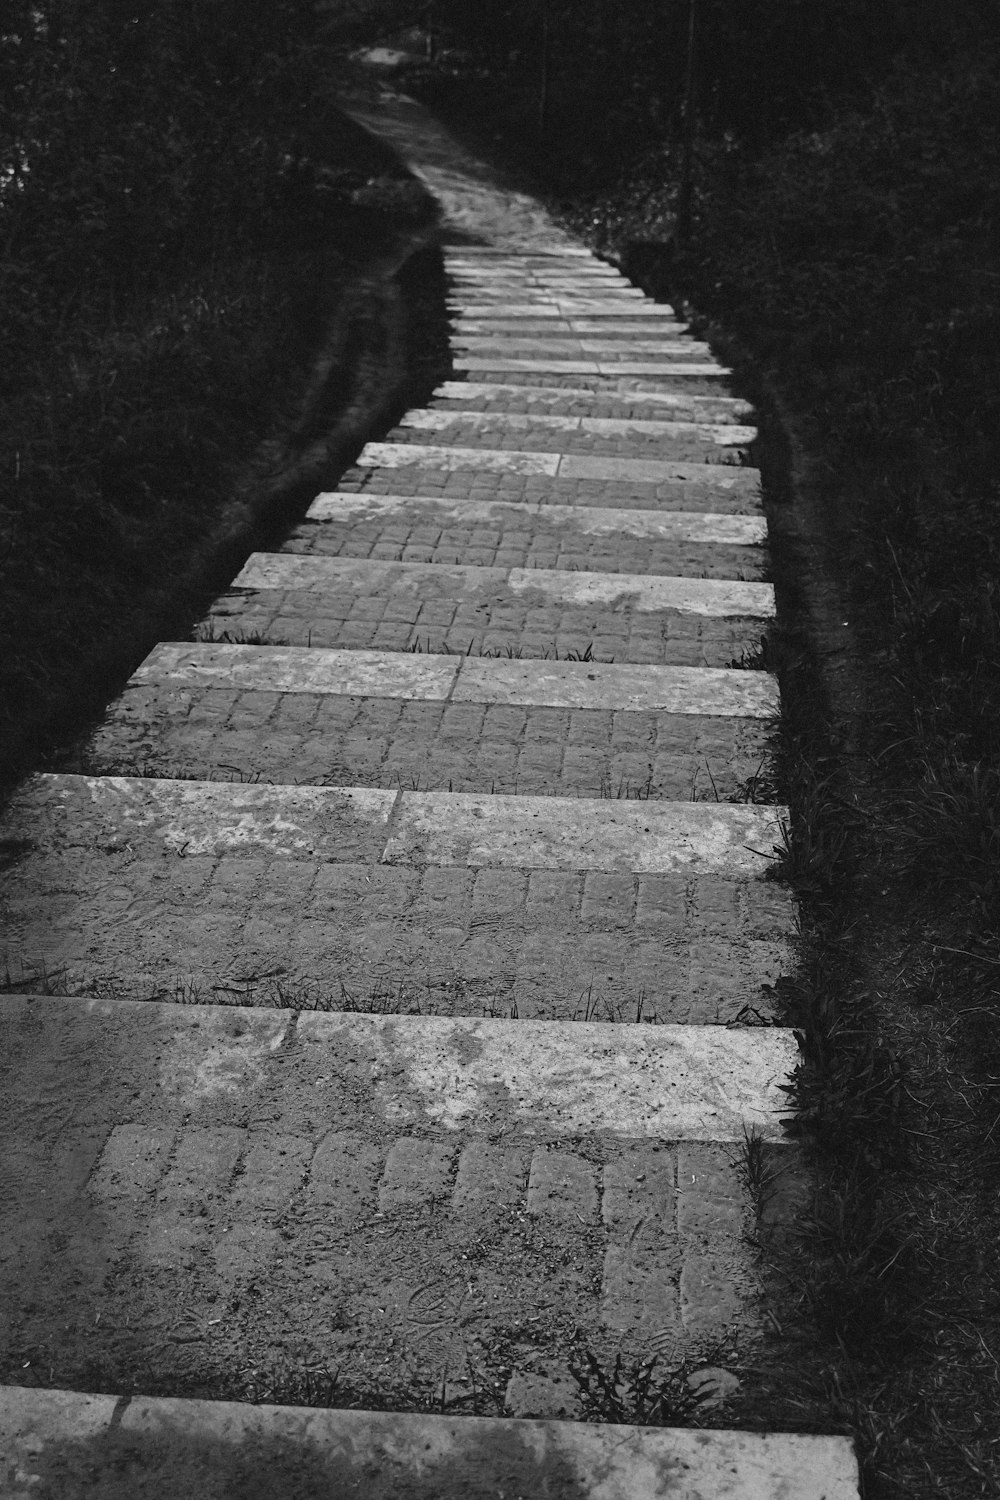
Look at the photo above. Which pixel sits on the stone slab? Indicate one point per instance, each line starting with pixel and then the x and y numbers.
pixel 291 669
pixel 681 690
pixel 715 597
pixel 591 307
pixel 562 290
pixel 526 1078
pixel 385 1455
pixel 412 676
pixel 614 331
pixel 549 395
pixel 433 419
pixel 674 369
pixel 576 346
pixel 547 833
pixel 591 520
pixel 191 818
pixel 706 597
pixel 554 465
pixel 503 1079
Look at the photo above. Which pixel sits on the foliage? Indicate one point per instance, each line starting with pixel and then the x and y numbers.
pixel 180 212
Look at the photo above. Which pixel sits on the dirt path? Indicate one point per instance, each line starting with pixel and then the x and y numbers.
pixel 413 936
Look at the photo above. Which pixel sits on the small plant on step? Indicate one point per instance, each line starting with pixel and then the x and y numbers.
pixel 757 657
pixel 643 1393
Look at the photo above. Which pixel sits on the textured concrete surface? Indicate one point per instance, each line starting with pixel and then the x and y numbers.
pixel 158 1448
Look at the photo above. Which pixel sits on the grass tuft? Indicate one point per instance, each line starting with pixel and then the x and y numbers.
pixel 640 1393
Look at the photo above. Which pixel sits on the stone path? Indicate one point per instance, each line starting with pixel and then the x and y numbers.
pixel 413 939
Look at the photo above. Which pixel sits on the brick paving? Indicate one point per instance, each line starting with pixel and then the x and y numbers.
pixel 415 1006
pixel 582 493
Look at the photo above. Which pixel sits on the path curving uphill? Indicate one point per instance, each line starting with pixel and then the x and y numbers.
pixel 414 939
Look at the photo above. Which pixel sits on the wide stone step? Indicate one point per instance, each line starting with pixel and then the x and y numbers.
pixel 470 284
pixel 556 433
pixel 557 908
pixel 385 1455
pixel 515 518
pixel 599 305
pixel 439 723
pixel 534 463
pixel 584 402
pixel 572 346
pixel 689 487
pixel 624 367
pixel 611 330
pixel 491 533
pixel 409 1202
pixel 282 599
pixel 525 290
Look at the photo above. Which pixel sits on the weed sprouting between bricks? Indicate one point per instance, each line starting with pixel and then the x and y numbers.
pixel 508 652
pixel 641 1393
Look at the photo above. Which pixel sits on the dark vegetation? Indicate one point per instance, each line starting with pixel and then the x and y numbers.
pixel 842 252
pixel 193 245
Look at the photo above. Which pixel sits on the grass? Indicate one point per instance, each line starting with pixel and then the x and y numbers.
pixel 511 652
pixel 640 1392
pixel 155 438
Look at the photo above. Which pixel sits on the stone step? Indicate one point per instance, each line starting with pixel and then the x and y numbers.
pixel 722 442
pixel 383 1455
pixel 667 369
pixel 397 901
pixel 402 827
pixel 528 462
pixel 403 1200
pixel 579 480
pixel 491 533
pixel 462 281
pixel 596 306
pixel 511 518
pixel 611 330
pixel 572 346
pixel 584 401
pixel 720 489
pixel 489 291
pixel 281 599
pixel 439 723
pixel 573 254
pixel 711 598
pixel 586 686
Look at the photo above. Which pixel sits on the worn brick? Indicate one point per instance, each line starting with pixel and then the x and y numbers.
pixel 272 1171
pixel 562 1186
pixel 497 894
pixel 640 1188
pixel 608 900
pixel 715 1292
pixel 711 1196
pixel 343 1175
pixel 640 1293
pixel 416 1172
pixel 490 1179
pixel 133 1161
pixel 203 1163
